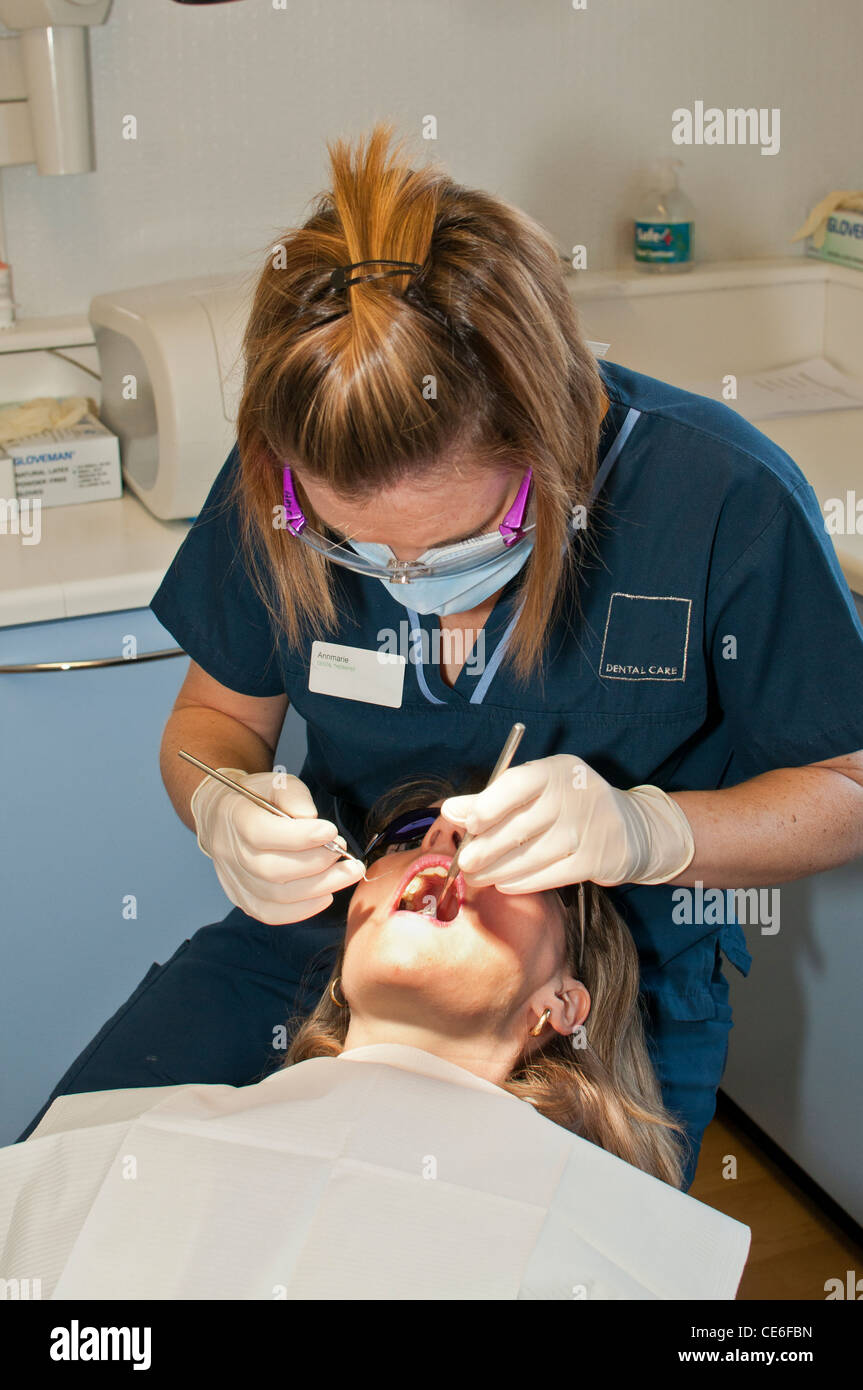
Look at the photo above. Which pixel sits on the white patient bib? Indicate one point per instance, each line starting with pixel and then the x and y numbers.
pixel 386 1173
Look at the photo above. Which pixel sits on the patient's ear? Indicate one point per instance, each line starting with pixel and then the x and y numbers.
pixel 570 1005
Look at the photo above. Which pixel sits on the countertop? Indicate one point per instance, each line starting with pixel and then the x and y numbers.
pixel 93 557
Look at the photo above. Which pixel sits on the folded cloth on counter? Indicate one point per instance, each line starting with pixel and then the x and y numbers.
pixel 384 1173
pixel 816 223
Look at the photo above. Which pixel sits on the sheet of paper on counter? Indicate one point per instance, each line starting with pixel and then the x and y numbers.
pixel 798 389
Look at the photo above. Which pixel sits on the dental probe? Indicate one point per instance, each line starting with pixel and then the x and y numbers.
pixel 261 801
pixel 507 753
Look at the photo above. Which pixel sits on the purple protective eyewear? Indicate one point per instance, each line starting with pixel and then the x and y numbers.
pixel 511 528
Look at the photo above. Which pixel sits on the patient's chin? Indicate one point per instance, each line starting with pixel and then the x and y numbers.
pixel 420 995
pixel 452 966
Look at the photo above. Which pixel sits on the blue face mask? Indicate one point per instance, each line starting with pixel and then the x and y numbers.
pixel 451 593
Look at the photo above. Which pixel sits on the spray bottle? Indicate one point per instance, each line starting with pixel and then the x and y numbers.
pixel 663 227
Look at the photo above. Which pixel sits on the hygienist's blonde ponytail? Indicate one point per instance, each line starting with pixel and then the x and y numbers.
pixel 479 355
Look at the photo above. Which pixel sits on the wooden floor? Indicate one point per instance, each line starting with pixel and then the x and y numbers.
pixel 795 1246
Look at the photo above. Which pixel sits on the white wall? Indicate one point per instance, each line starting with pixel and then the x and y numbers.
pixel 554 109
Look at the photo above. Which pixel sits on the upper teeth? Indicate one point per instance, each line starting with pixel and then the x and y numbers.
pixel 419 882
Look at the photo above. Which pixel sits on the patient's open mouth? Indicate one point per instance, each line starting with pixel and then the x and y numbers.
pixel 419 890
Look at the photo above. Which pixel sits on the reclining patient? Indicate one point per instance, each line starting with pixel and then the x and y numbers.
pixel 470 1112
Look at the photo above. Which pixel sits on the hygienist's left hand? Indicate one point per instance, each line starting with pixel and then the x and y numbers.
pixel 555 821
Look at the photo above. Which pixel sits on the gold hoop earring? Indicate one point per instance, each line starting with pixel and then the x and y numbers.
pixel 337 1002
pixel 535 1032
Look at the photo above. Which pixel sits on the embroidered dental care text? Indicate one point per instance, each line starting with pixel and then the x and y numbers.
pixel 646 638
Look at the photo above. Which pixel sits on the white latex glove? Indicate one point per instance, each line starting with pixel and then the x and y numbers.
pixel 274 869
pixel 555 821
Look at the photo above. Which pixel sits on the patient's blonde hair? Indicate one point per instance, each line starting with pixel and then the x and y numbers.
pixel 606 1092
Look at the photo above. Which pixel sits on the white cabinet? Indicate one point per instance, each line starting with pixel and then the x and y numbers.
pixel 797 1041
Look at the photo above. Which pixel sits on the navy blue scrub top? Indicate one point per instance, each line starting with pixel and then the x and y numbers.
pixel 715 639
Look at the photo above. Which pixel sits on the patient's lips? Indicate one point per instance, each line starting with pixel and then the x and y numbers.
pixel 420 888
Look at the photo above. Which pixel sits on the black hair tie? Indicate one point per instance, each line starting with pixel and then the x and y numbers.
pixel 339 281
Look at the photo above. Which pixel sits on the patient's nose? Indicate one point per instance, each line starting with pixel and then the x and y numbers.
pixel 442 837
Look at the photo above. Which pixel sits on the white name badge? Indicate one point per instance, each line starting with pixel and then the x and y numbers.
pixel 353 673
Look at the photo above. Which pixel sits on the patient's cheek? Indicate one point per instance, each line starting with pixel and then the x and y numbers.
pixel 501 908
pixel 527 920
pixel 375 894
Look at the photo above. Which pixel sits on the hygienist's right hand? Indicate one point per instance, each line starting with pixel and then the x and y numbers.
pixel 274 869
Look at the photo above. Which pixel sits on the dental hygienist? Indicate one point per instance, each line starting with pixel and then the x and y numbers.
pixel 432 465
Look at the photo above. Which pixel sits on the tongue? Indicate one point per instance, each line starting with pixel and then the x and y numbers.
pixel 424 899
pixel 450 907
